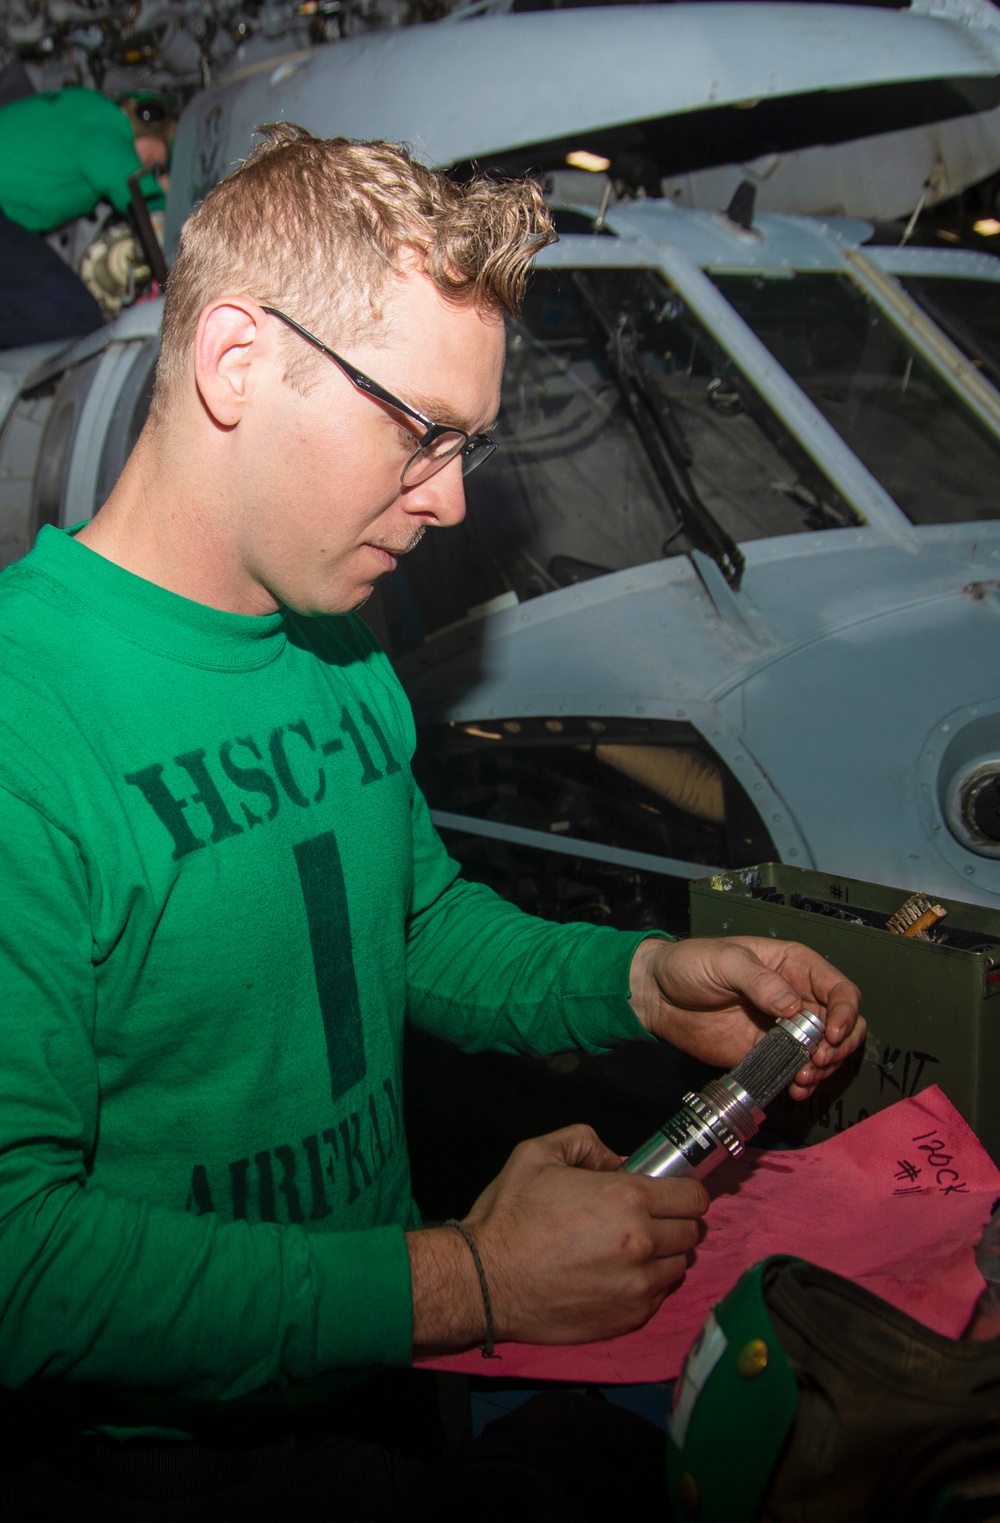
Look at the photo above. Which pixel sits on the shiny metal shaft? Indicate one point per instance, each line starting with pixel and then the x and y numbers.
pixel 718 1121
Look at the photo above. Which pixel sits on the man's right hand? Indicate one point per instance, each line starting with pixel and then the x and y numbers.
pixel 572 1249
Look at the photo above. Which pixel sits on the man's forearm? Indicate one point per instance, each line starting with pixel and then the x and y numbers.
pixel 482 974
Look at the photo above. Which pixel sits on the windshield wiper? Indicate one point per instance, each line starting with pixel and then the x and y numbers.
pixel 662 438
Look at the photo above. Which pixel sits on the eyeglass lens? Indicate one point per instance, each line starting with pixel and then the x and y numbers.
pixel 432 457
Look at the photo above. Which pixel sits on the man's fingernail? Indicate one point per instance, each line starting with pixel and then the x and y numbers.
pixel 785 1001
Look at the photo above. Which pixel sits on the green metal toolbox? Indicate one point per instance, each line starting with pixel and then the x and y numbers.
pixel 933 1007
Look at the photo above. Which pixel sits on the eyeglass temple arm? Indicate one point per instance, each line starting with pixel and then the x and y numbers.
pixel 356 377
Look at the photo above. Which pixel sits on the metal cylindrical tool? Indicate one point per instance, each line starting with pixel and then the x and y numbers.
pixel 718 1121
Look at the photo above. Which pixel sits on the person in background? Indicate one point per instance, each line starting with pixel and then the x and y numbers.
pixel 61 153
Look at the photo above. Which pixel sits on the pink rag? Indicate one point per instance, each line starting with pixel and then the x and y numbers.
pixel 896 1203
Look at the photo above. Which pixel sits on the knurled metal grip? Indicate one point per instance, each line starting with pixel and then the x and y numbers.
pixel 714 1116
pixel 718 1121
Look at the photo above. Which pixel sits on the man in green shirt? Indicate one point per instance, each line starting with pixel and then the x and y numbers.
pixel 62 152
pixel 224 892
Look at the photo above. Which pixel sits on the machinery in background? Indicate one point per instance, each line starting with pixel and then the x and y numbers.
pixel 175 45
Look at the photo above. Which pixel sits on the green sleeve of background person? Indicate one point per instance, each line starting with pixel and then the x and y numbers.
pixel 222 894
pixel 63 151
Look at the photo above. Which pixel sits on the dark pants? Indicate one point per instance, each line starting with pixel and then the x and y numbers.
pixel 561 1458
pixel 41 299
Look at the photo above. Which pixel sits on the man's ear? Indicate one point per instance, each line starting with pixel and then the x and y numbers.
pixel 230 340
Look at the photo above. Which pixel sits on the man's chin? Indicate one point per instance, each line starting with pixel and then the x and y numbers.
pixel 348 599
pixel 334 606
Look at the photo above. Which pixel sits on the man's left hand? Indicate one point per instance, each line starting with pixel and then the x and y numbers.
pixel 715 999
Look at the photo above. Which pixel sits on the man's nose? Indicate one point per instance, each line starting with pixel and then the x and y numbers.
pixel 441 496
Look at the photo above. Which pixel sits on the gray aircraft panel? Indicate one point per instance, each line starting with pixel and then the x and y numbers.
pixel 796 590
pixel 775 241
pixel 954 264
pixel 458 91
pixel 861 763
pixel 836 775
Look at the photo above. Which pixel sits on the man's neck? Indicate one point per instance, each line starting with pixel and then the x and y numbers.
pixel 171 529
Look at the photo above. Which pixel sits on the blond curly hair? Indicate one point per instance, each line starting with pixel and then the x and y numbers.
pixel 316 226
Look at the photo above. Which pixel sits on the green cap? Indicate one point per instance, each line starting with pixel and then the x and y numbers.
pixel 734 1407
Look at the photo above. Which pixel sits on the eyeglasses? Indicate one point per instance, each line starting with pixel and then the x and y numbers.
pixel 439 442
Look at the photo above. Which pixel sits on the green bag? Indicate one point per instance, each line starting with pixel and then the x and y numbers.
pixel 806 1399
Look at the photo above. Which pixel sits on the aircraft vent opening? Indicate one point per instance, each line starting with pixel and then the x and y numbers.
pixel 527 790
pixel 973 810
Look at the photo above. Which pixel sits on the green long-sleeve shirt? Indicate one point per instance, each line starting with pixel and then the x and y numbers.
pixel 222 892
pixel 63 151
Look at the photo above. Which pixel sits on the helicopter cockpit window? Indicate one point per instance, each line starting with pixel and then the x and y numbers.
pixel 914 433
pixel 969 313
pixel 627 434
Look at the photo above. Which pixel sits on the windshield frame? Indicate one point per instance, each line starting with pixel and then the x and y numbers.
pixel 687 247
